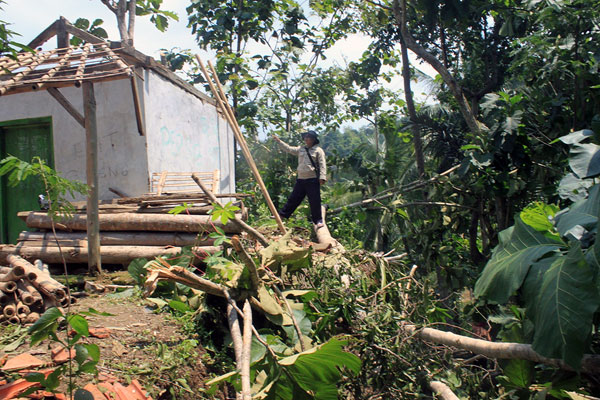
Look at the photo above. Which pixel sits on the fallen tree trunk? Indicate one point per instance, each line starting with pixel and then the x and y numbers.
pixel 133 222
pixel 77 239
pixel 109 254
pixel 589 364
pixel 324 236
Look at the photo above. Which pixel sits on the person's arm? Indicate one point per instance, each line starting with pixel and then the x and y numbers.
pixel 286 147
pixel 322 165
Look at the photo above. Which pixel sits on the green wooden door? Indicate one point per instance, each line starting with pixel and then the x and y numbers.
pixel 24 139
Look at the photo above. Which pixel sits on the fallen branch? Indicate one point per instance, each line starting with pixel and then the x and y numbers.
pixel 393 191
pixel 442 390
pixel 234 328
pixel 237 221
pixel 589 364
pixel 246 350
pixel 180 274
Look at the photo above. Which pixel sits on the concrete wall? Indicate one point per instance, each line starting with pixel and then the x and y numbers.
pixel 122 161
pixel 185 133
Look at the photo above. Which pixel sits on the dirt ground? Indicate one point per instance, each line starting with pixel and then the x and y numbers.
pixel 152 347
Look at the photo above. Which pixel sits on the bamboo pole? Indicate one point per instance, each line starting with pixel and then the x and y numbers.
pixel 224 105
pixel 8 287
pixel 233 121
pixel 91 136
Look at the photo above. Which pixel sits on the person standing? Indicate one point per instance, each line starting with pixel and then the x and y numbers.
pixel 311 174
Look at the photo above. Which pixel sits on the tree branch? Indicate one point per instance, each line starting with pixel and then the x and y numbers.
pixel 399 11
pixel 589 364
pixel 110 5
pixel 442 390
pixel 247 345
pixel 131 28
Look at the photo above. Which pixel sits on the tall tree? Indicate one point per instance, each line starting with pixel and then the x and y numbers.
pixel 127 10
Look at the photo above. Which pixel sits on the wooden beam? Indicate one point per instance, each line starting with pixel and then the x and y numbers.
pixel 91 139
pixel 139 116
pixel 67 105
pixel 62 36
pixel 46 35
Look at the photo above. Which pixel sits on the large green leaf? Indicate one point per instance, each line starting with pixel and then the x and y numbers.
pixel 520 246
pixel 317 370
pixel 312 374
pixel 584 213
pixel 564 307
pixel 584 160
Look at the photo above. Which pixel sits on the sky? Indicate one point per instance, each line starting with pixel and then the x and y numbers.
pixel 30 17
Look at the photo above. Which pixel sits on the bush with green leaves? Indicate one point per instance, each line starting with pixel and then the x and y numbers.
pixel 58 189
pixel 87 355
pixel 548 261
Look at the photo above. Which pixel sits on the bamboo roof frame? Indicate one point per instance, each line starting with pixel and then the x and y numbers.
pixel 57 68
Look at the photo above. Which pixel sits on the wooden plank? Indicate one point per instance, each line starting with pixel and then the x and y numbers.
pixel 67 105
pixel 62 36
pixel 46 35
pixel 161 182
pixel 137 106
pixel 91 140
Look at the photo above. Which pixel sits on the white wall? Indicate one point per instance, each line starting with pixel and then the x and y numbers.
pixel 185 133
pixel 122 162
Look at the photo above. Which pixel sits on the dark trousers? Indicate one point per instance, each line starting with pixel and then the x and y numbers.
pixel 304 187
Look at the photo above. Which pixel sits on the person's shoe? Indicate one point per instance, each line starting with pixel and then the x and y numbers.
pixel 319 225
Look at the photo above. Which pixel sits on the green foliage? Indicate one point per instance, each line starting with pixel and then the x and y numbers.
pixel 94 28
pixel 58 189
pixel 556 268
pixel 9 47
pixel 87 355
pixel 160 18
pixel 312 374
pixel 223 212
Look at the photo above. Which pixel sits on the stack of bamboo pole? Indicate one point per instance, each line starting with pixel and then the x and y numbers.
pixel 126 232
pixel 27 290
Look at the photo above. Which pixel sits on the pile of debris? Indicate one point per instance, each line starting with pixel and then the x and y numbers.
pixel 27 290
pixel 134 227
pixel 108 387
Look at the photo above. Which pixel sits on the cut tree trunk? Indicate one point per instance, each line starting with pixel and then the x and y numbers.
pixel 110 254
pixel 134 222
pixel 76 239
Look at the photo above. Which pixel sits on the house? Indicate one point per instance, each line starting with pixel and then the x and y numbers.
pixel 147 121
